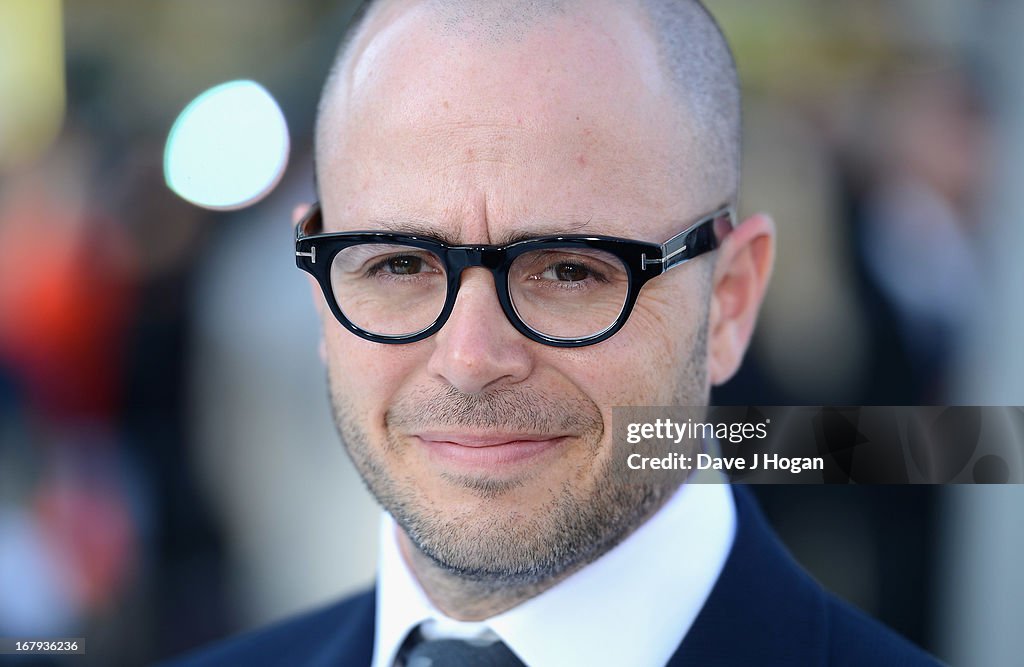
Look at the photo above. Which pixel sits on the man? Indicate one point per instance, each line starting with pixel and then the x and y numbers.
pixel 524 221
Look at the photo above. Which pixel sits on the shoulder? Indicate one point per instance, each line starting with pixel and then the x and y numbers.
pixel 857 639
pixel 341 633
pixel 766 610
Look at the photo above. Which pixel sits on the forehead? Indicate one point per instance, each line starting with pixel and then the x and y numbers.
pixel 565 121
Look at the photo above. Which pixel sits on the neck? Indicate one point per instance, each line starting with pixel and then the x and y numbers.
pixel 469 599
pixel 466 599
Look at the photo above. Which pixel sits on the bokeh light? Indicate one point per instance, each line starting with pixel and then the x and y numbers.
pixel 228 148
pixel 32 97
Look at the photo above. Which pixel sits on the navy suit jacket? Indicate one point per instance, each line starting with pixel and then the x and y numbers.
pixel 763 610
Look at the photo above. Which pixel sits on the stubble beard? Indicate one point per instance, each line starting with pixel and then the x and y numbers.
pixel 512 548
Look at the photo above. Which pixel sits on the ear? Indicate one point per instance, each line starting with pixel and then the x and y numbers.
pixel 742 270
pixel 298 213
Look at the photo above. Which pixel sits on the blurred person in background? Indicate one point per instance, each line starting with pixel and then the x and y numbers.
pixel 69 530
pixel 94 495
pixel 915 206
pixel 484 427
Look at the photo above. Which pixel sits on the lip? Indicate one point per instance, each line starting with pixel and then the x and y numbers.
pixel 488 451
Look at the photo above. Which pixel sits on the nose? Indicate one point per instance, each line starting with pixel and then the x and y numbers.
pixel 477 348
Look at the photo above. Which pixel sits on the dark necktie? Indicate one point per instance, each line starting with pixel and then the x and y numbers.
pixel 420 652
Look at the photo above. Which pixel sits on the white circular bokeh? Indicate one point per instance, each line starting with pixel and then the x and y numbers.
pixel 228 148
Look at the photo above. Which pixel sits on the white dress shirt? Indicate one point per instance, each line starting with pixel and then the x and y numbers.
pixel 632 606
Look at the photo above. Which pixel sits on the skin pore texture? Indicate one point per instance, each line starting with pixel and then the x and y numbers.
pixel 505 118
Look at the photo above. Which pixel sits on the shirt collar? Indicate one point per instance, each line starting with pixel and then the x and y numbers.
pixel 633 605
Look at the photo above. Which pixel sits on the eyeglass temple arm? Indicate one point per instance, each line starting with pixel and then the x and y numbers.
pixel 703 236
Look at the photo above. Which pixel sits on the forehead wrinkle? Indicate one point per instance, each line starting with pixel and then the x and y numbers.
pixel 460 142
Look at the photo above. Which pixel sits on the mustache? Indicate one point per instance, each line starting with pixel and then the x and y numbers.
pixel 508 408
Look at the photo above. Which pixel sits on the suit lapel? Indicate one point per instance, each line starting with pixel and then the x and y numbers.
pixel 351 641
pixel 763 610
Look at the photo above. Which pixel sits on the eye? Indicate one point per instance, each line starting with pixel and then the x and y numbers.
pixel 571 271
pixel 566 269
pixel 403 265
pixel 566 272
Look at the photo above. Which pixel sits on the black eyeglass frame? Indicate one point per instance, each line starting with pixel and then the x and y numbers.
pixel 315 252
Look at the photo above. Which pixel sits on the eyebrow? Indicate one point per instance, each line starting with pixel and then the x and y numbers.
pixel 414 228
pixel 429 231
pixel 562 230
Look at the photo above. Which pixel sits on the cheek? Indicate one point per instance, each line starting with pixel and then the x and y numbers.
pixel 643 363
pixel 624 370
pixel 367 374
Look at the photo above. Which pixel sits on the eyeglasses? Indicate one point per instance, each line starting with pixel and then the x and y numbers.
pixel 565 291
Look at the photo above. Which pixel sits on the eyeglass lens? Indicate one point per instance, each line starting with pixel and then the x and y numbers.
pixel 397 290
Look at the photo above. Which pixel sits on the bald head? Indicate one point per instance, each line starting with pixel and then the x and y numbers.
pixel 691 55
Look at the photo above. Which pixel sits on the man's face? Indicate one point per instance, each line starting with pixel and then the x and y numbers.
pixel 492 451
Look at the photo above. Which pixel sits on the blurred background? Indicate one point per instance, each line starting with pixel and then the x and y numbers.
pixel 169 472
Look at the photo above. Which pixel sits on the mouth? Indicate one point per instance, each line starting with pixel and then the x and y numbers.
pixel 488 451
